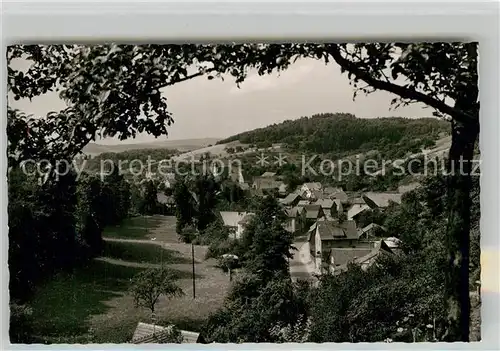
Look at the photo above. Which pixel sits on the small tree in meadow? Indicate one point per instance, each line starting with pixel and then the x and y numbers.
pixel 149 285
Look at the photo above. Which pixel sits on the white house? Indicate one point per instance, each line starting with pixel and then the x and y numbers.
pixel 236 221
pixel 358 205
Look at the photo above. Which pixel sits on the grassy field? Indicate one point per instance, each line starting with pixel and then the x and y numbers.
pixel 134 228
pixel 141 253
pixel 62 306
pixel 91 304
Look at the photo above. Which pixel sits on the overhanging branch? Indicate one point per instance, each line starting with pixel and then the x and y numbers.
pixel 403 92
pixel 194 75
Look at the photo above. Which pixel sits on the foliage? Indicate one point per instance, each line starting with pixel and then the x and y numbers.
pixel 253 309
pixel 401 293
pixel 338 133
pixel 149 285
pixel 21 324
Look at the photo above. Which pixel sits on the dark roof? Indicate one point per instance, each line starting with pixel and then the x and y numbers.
pixel 268 183
pixel 358 201
pixel 332 190
pixel 372 226
pixel 147 333
pixel 332 230
pixel 325 203
pixel 341 195
pixel 290 198
pixel 312 211
pixel 383 199
pixel 346 255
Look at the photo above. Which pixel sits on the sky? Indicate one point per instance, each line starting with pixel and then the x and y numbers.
pixel 218 109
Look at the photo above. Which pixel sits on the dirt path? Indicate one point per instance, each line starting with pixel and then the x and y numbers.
pixel 300 268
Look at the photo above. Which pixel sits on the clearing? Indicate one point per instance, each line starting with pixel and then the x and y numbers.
pixel 92 305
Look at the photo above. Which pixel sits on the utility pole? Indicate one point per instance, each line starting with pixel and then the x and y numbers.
pixel 194 284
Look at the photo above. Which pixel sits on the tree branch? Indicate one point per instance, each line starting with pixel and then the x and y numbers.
pixel 403 92
pixel 194 75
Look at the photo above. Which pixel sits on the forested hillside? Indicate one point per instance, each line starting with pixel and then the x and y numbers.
pixel 343 132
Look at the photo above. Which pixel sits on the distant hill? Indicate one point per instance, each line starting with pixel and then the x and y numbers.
pixel 345 133
pixel 183 145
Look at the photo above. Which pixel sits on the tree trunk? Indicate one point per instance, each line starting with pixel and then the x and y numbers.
pixel 457 237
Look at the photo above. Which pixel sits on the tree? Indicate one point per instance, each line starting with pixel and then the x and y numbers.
pixel 148 286
pixel 150 200
pixel 253 310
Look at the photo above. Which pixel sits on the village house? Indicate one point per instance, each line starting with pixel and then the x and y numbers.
pixel 303 203
pixel 338 257
pixel 381 200
pixel 268 174
pixel 340 195
pixel 326 204
pixel 265 184
pixel 326 235
pixel 367 260
pixel 372 230
pixel 291 199
pixel 155 334
pixel 236 221
pixel 308 188
pixel 312 213
pixel 357 205
pixel 294 219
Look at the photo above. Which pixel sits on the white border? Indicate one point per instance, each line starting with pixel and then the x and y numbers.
pixel 129 21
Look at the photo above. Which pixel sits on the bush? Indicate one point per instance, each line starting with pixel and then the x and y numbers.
pixel 221 247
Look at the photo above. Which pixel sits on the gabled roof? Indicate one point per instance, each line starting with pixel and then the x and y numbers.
pixel 345 255
pixel 232 218
pixel 341 195
pixel 325 203
pixel 333 230
pixel 372 226
pixel 354 211
pixel 332 190
pixel 268 174
pixel 318 194
pixel 267 183
pixel 290 198
pixel 382 199
pixel 303 203
pixel 312 211
pixel 357 201
pixel 313 185
pixel 148 333
pixel 145 331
